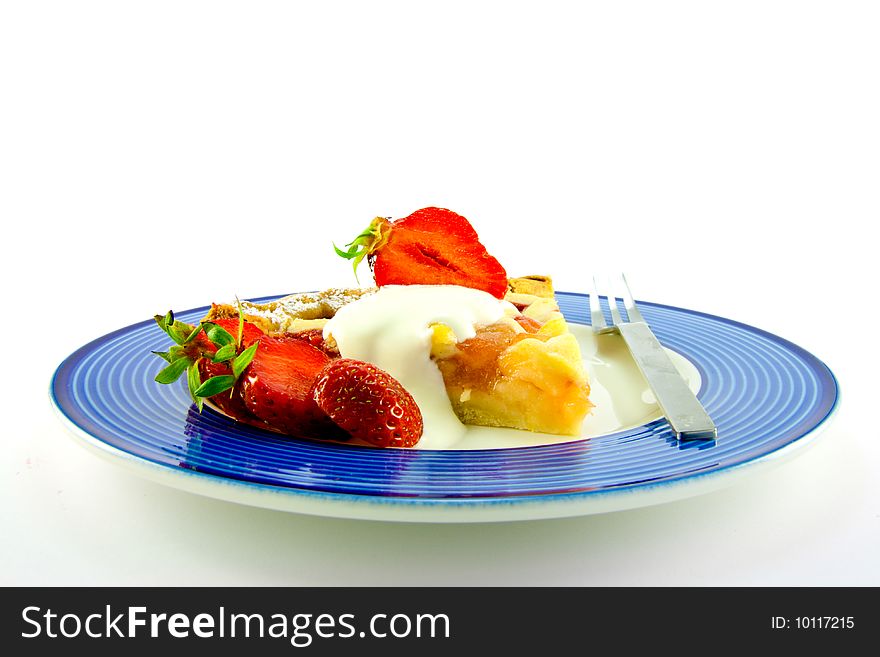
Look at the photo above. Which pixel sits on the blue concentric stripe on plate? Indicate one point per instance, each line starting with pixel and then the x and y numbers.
pixel 763 392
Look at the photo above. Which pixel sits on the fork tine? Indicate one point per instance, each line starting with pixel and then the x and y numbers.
pixel 629 303
pixel 596 317
pixel 612 303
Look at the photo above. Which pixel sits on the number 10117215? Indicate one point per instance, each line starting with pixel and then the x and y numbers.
pixel 813 622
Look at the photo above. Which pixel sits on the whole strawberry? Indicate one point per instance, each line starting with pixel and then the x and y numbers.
pixel 368 403
pixel 213 354
pixel 432 246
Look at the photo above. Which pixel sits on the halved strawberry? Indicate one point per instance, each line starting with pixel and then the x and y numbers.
pixel 432 246
pixel 276 386
pixel 368 403
pixel 439 220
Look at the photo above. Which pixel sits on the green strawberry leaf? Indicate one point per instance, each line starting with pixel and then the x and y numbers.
pixel 349 254
pixel 164 321
pixel 172 372
pixel 179 331
pixel 164 355
pixel 215 385
pixel 218 335
pixel 243 360
pixel 194 382
pixel 192 335
pixel 225 353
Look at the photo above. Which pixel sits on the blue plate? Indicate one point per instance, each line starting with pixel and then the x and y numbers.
pixel 766 395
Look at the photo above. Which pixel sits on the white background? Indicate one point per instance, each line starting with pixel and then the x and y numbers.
pixel 168 154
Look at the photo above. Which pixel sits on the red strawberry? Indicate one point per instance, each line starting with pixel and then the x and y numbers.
pixel 368 403
pixel 276 386
pixel 250 333
pixel 213 357
pixel 439 220
pixel 228 401
pixel 432 246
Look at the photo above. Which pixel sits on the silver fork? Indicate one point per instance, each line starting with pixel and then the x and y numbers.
pixel 685 414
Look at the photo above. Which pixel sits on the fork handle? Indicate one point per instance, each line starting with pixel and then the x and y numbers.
pixel 685 413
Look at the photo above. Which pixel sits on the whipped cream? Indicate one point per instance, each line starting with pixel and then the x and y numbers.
pixel 392 330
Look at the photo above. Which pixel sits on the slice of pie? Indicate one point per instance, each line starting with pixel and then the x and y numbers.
pixel 505 363
pixel 525 371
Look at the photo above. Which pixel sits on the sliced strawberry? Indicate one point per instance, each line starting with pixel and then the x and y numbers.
pixel 276 386
pixel 368 403
pixel 432 246
pixel 439 220
pixel 415 257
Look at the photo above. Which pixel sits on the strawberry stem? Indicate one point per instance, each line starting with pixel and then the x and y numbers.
pixel 240 322
pixel 367 242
